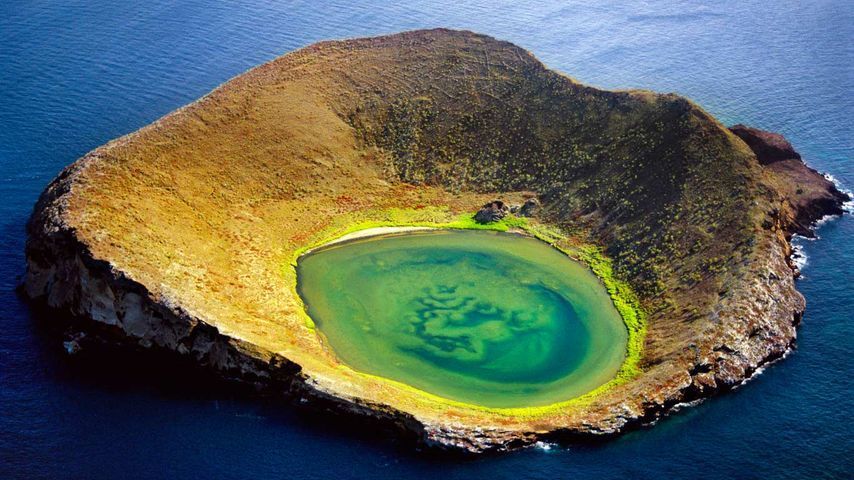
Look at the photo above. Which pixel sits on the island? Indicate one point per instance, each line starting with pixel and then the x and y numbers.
pixel 185 237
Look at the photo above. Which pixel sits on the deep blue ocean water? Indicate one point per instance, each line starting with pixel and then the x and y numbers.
pixel 74 74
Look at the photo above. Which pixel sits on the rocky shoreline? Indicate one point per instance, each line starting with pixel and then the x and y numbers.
pixel 809 195
pixel 752 324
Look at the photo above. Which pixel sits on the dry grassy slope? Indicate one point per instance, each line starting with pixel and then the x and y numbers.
pixel 207 205
pixel 663 185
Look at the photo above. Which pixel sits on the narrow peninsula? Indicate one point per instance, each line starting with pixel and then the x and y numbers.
pixel 186 236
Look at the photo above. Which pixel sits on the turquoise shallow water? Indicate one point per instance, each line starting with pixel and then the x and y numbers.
pixel 493 319
pixel 75 74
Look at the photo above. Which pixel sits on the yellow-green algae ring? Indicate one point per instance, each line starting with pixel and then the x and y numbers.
pixel 623 298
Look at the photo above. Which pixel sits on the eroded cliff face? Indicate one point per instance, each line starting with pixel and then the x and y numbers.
pixel 174 237
pixel 804 194
pixel 63 275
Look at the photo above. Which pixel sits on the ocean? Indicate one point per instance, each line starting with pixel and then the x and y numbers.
pixel 75 74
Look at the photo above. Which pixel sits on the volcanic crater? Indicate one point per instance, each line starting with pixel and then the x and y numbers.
pixel 185 236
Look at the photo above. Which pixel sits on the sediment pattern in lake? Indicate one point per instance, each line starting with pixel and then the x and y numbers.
pixel 493 319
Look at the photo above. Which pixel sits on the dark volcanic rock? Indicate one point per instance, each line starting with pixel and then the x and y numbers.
pixel 530 208
pixel 769 147
pixel 492 212
pixel 807 194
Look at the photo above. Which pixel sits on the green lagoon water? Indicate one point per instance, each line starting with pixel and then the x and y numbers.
pixel 488 318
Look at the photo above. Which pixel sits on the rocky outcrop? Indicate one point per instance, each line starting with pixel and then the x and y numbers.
pixel 492 212
pixel 769 147
pixel 530 207
pixel 805 194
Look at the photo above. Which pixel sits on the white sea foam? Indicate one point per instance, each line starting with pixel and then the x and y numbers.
pixel 847 207
pixel 759 371
pixel 681 405
pixel 799 256
pixel 544 446
pixel 693 403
